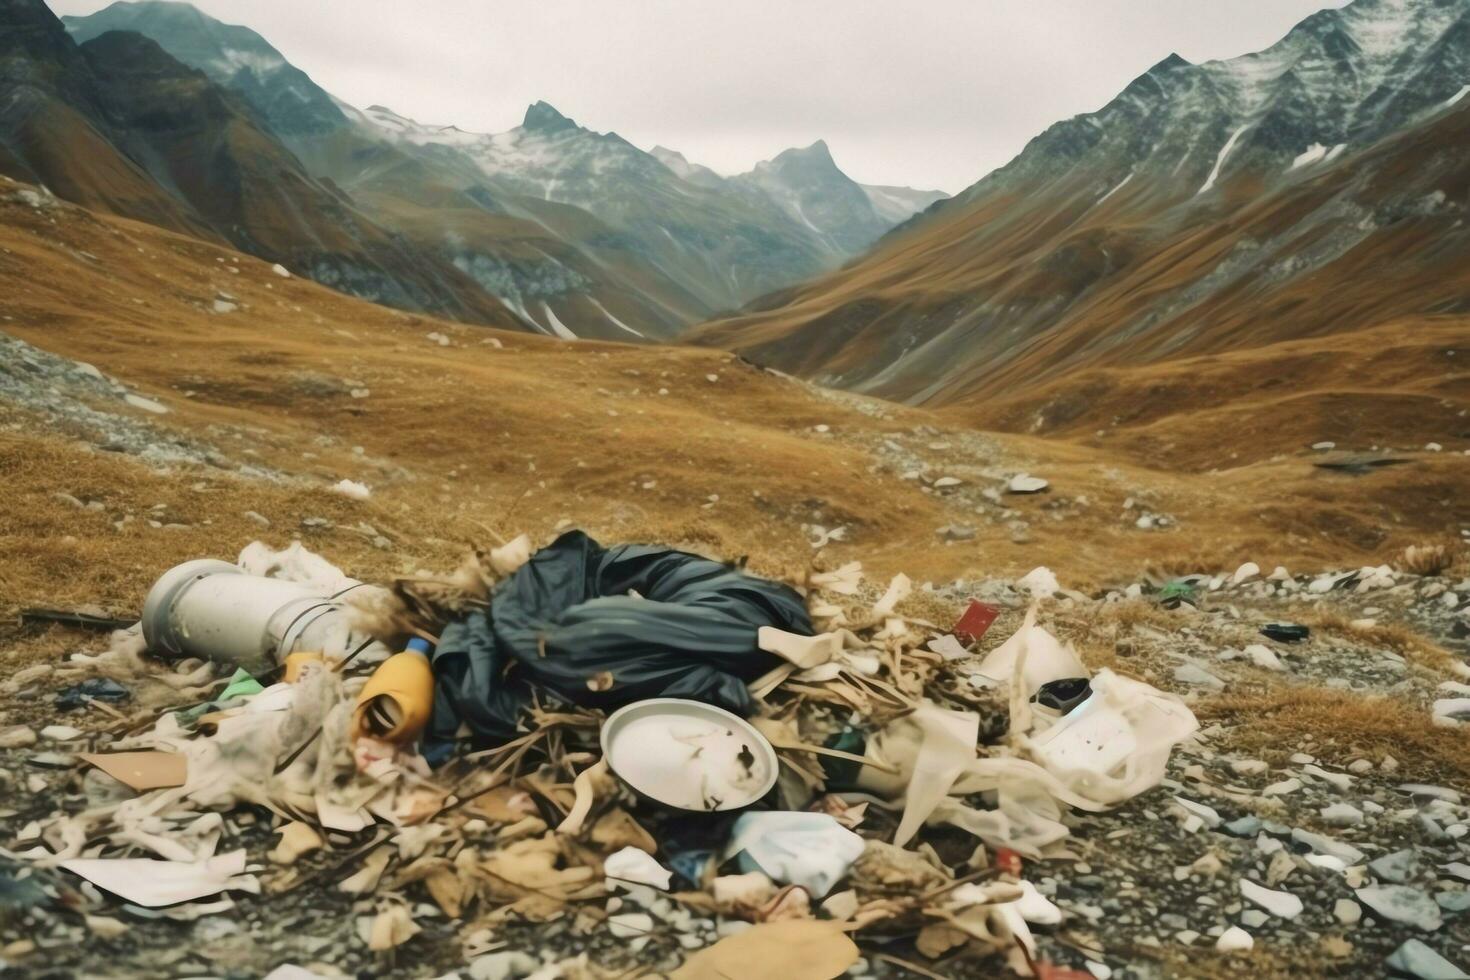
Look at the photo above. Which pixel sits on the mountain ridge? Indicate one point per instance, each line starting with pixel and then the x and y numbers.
pixel 1206 208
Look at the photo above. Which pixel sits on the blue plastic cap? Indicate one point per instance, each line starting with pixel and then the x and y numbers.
pixel 419 645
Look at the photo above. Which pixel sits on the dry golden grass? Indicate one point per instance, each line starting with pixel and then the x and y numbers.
pixel 1344 726
pixel 1391 636
pixel 1432 558
pixel 520 432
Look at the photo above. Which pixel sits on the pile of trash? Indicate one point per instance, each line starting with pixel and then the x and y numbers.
pixel 632 739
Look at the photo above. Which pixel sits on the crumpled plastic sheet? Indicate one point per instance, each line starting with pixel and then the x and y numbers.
pixel 1108 749
pixel 604 627
pixel 796 848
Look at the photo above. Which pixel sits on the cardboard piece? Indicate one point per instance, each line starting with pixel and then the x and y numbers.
pixel 141 771
pixel 794 949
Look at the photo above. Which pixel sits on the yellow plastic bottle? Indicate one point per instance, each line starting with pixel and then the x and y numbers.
pixel 396 702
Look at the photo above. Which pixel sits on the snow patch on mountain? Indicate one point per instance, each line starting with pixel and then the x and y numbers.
pixel 1220 159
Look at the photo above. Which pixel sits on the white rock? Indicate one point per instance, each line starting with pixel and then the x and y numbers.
pixel 1207 814
pixel 1247 571
pixel 1248 767
pixel 945 482
pixel 1234 940
pixel 1347 911
pixel 352 489
pixel 61 733
pixel 1342 815
pixel 1282 788
pixel 225 306
pixel 281 271
pixel 1262 656
pixel 506 964
pixel 1324 446
pixel 146 404
pixel 1340 780
pixel 1283 905
pixel 1400 903
pixel 1196 675
pixel 1432 447
pixel 1025 483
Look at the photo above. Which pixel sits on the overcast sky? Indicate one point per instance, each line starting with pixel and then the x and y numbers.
pixel 929 93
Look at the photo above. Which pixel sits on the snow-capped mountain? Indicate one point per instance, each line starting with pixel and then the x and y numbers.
pixel 726 240
pixel 1339 80
pixel 233 56
pixel 1315 187
pixel 579 232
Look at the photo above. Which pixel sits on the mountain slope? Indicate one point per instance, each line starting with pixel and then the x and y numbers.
pixel 1314 188
pixel 233 56
pixel 119 123
pixel 54 130
pixel 576 231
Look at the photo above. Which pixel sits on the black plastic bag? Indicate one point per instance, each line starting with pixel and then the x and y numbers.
pixel 566 623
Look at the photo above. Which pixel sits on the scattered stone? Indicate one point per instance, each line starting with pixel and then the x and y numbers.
pixel 504 965
pixel 1418 960
pixel 1321 844
pixel 1283 905
pixel 281 271
pixel 16 737
pixel 1347 911
pixel 1234 940
pixel 1283 787
pixel 945 482
pixel 1246 826
pixel 1245 573
pixel 1025 483
pixel 1400 903
pixel 1397 867
pixel 957 532
pixel 61 733
pixel 1261 656
pixel 1197 676
pixel 1342 815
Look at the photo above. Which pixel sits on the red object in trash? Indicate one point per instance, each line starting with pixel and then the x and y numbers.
pixel 976 620
pixel 1008 862
pixel 1047 970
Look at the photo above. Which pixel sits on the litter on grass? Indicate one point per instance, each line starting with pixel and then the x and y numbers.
pixel 572 727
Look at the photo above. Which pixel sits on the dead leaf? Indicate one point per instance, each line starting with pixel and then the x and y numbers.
pixel 366 879
pixel 791 902
pixel 503 804
pixel 802 949
pixel 447 890
pixel 296 839
pixel 393 927
pixel 616 830
pixel 936 939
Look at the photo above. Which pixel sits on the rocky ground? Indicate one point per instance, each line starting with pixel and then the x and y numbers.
pixel 1315 826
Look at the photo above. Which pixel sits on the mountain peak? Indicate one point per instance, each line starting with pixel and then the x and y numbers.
pixel 544 118
pixel 813 158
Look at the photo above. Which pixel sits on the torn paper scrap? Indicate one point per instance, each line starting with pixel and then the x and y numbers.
pixel 153 884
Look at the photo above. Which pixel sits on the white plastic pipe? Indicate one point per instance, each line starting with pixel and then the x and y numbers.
pixel 212 609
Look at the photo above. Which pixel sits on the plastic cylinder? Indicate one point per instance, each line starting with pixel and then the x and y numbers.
pixel 211 609
pixel 397 700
